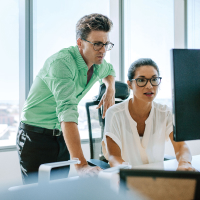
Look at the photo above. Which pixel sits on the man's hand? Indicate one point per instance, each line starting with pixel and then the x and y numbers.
pixel 107 100
pixel 87 171
pixel 185 166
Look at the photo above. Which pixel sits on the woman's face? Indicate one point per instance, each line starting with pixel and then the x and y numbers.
pixel 148 92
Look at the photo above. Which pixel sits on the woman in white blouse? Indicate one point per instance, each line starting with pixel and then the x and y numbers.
pixel 136 130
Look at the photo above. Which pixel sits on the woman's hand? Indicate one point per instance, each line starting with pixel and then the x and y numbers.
pixel 185 166
pixel 183 155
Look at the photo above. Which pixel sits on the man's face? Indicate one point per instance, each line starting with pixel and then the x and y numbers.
pixel 87 49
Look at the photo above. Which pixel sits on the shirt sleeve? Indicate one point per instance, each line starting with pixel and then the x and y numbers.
pixel 169 125
pixel 60 81
pixel 112 130
pixel 105 69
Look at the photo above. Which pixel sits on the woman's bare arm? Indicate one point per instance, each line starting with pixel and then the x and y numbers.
pixel 114 153
pixel 183 155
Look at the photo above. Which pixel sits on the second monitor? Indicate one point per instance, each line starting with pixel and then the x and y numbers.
pixel 186 94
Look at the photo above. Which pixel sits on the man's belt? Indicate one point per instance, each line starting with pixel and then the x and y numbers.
pixel 45 131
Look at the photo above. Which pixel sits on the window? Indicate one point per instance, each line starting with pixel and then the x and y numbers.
pixel 193 24
pixel 9 72
pixel 149 33
pixel 54 29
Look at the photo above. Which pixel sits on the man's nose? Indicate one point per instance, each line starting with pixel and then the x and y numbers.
pixel 103 49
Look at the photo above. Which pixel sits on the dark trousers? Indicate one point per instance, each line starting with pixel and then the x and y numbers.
pixel 35 149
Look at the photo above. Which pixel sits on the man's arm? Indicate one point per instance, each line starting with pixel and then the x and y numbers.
pixel 108 98
pixel 183 155
pixel 73 142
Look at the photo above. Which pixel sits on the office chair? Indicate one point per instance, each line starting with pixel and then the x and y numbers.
pixel 122 92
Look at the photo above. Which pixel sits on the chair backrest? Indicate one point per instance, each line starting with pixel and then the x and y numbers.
pixel 122 92
pixel 160 184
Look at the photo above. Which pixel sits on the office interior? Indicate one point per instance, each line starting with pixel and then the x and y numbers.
pixel 32 30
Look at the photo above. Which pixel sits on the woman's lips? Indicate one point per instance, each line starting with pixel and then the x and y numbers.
pixel 149 94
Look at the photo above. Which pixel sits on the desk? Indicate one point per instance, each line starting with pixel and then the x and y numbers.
pixel 169 165
pixel 165 165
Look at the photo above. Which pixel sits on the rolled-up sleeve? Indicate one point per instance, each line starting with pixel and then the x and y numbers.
pixel 112 130
pixel 60 81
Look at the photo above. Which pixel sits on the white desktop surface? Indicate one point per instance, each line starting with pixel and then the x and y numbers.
pixel 169 164
pixel 165 165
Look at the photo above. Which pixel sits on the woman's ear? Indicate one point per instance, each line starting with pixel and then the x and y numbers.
pixel 129 84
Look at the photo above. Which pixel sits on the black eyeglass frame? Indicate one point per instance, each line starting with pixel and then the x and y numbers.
pixel 102 44
pixel 148 79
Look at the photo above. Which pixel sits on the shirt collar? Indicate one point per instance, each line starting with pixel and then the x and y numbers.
pixel 79 59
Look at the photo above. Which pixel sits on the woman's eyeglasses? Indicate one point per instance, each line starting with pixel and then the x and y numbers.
pixel 141 82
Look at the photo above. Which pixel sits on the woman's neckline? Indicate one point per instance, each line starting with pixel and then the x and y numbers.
pixel 129 111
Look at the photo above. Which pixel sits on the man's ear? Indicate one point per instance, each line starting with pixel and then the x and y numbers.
pixel 79 43
pixel 129 84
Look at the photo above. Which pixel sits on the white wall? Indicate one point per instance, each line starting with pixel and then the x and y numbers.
pixel 10 174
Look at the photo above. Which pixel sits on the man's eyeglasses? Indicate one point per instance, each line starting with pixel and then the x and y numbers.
pixel 141 82
pixel 99 45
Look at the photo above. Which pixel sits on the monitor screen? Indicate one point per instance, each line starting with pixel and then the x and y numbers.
pixel 185 65
pixel 159 184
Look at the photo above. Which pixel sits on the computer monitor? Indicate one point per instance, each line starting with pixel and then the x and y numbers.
pixel 185 65
pixel 160 184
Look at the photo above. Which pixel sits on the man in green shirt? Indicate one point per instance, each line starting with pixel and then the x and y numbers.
pixel 48 127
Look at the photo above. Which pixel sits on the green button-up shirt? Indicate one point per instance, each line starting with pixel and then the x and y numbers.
pixel 59 87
